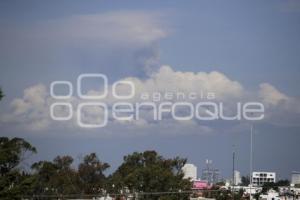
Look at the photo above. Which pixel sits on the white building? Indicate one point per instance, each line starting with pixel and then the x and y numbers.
pixel 190 171
pixel 295 179
pixel 271 195
pixel 259 178
pixel 250 190
pixel 237 178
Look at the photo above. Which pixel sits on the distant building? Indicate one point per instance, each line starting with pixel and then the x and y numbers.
pixel 271 195
pixel 237 178
pixel 260 178
pixel 251 190
pixel 190 171
pixel 210 174
pixel 295 178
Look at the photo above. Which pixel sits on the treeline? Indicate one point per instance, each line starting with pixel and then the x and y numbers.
pixel 140 172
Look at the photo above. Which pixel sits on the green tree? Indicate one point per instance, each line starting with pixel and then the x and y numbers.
pixel 150 172
pixel 44 173
pixel 12 152
pixel 65 179
pixel 13 183
pixel 245 181
pixel 267 186
pixel 283 182
pixel 57 177
pixel 91 174
pixel 274 186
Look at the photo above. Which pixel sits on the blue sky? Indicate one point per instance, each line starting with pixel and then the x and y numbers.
pixel 248 43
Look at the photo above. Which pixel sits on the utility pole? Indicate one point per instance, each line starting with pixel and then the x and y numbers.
pixel 233 169
pixel 251 159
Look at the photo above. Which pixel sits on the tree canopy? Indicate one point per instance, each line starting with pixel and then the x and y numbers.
pixel 140 172
pixel 12 152
pixel 150 172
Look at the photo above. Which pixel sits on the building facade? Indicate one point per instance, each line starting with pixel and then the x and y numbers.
pixel 260 178
pixel 190 171
pixel 237 178
pixel 295 178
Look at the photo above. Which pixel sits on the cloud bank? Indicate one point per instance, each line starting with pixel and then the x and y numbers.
pixel 31 112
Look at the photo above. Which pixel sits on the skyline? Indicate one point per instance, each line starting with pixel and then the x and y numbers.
pixel 241 51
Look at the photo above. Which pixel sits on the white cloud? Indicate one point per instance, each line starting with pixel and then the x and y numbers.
pixel 32 110
pixel 168 80
pixel 281 109
pixel 270 95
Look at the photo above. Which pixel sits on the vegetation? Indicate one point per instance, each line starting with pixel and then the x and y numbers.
pixel 150 172
pixel 12 181
pixel 274 186
pixel 245 180
pixel 140 172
